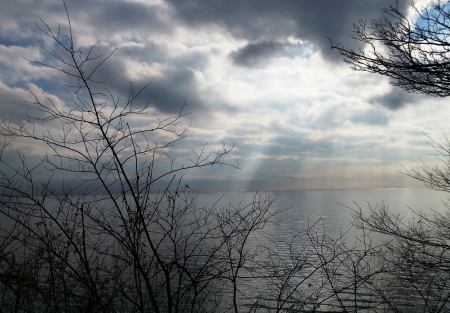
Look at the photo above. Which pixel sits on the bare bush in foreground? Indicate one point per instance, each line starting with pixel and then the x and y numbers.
pixel 99 233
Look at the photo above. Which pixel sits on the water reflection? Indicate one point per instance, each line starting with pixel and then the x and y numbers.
pixel 288 249
pixel 331 211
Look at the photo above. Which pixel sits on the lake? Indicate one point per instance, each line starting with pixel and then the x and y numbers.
pixel 333 208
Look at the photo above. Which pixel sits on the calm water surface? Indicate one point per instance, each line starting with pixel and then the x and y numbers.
pixel 334 207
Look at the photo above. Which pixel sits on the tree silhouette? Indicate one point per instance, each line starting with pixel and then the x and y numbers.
pixel 414 53
pixel 416 253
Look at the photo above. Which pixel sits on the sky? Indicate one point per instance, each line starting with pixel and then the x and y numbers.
pixel 259 75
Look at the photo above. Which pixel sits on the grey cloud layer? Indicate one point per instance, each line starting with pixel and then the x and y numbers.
pixel 396 99
pixel 233 62
pixel 252 54
pixel 166 92
pixel 274 21
pixel 266 25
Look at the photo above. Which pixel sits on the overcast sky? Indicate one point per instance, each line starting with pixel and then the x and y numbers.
pixel 258 74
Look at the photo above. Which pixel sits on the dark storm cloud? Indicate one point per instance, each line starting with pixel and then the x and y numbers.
pixel 117 16
pixel 168 89
pixel 102 17
pixel 167 92
pixel 162 94
pixel 396 99
pixel 265 20
pixel 252 54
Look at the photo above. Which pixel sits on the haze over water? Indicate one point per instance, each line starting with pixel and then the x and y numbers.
pixel 333 207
